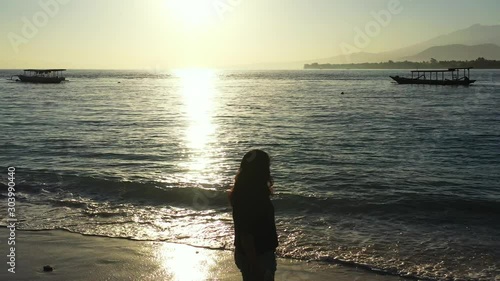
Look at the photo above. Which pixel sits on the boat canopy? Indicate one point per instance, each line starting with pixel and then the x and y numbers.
pixel 432 76
pixel 442 70
pixel 44 70
pixel 54 73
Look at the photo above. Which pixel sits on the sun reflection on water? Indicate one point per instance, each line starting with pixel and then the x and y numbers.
pixel 198 92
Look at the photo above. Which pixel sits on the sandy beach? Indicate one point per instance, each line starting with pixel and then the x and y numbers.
pixel 78 257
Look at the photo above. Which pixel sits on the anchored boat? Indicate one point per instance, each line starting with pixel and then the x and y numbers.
pixel 42 76
pixel 438 77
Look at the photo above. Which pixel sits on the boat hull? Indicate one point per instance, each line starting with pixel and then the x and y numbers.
pixel 43 80
pixel 403 80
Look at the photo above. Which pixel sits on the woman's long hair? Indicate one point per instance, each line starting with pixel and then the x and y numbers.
pixel 253 180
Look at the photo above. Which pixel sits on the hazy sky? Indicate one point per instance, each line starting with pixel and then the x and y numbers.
pixel 211 33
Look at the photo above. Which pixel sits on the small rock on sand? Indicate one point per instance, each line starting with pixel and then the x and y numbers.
pixel 48 268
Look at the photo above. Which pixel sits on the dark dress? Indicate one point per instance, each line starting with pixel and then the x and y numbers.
pixel 255 217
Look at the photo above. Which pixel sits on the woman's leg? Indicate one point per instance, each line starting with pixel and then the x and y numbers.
pixel 267 263
pixel 242 265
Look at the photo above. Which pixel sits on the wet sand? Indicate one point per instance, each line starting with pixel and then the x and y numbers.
pixel 79 257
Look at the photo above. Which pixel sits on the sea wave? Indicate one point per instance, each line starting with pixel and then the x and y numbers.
pixel 429 207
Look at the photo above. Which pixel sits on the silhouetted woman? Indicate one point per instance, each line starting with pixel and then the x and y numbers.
pixel 255 237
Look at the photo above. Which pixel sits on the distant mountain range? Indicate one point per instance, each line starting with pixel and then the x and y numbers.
pixel 457 52
pixel 465 44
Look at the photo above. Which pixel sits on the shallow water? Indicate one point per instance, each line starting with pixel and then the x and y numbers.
pixel 398 178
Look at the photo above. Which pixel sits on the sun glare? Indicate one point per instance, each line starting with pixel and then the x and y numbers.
pixel 185 263
pixel 191 13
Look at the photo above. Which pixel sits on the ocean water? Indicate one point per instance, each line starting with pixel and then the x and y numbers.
pixel 398 179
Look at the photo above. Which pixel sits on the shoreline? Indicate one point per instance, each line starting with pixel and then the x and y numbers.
pixel 82 257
